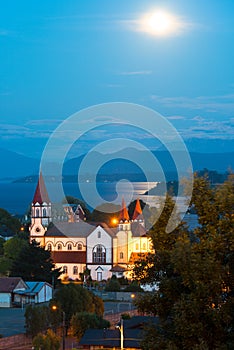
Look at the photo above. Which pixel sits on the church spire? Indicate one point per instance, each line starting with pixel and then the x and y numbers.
pixel 137 211
pixel 41 194
pixel 124 212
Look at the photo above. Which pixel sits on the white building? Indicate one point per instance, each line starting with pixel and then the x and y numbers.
pixel 77 245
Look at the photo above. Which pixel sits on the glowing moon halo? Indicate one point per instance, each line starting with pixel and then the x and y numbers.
pixel 159 23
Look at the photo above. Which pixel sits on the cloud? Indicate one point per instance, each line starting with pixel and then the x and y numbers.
pixel 139 72
pixel 176 117
pixel 212 104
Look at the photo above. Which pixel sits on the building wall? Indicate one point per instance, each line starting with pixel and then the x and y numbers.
pixel 5 299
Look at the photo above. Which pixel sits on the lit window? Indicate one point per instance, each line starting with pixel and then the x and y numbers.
pixel 79 247
pixel 144 246
pixel 75 270
pixel 99 254
pixel 137 246
pixel 49 247
pixel 121 255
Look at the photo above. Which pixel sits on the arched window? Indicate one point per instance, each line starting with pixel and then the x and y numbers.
pixel 59 247
pixel 99 254
pixel 137 246
pixel 65 269
pixel 69 246
pixel 49 247
pixel 79 247
pixel 121 255
pixel 44 212
pixel 37 213
pixel 144 246
pixel 75 270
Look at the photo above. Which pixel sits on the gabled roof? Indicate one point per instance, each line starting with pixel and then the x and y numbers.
pixel 124 212
pixel 10 284
pixel 70 229
pixel 41 195
pixel 33 288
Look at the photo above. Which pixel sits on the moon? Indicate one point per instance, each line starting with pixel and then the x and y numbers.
pixel 159 23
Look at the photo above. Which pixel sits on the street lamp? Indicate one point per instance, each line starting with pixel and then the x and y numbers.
pixel 55 308
pixel 121 329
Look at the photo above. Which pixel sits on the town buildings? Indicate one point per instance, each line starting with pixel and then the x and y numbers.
pixel 77 245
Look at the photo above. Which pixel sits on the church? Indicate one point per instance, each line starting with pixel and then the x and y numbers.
pixel 77 245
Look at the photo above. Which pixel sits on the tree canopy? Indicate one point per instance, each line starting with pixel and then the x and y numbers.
pixel 194 300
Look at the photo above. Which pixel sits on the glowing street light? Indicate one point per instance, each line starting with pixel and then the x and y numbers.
pixel 121 329
pixel 55 308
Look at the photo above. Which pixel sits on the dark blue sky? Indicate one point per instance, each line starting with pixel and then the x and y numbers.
pixel 58 57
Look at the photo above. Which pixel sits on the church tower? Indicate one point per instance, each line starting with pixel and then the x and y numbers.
pixel 40 212
pixel 137 215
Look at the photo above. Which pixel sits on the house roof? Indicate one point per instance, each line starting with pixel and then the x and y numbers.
pixel 70 229
pixel 33 288
pixel 118 268
pixel 69 257
pixel 41 194
pixel 111 337
pixel 138 230
pixel 9 284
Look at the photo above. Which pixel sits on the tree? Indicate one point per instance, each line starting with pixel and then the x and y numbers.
pixel 74 298
pixel 37 319
pixel 11 251
pixel 112 285
pixel 85 320
pixel 194 301
pixel 9 222
pixel 48 341
pixel 34 263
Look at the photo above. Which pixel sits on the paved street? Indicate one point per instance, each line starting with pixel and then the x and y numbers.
pixel 11 321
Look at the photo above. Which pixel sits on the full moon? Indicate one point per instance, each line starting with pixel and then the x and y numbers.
pixel 159 23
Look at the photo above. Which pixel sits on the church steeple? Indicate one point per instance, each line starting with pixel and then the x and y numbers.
pixel 138 215
pixel 41 194
pixel 40 212
pixel 124 216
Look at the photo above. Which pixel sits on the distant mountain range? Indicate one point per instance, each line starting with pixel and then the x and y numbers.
pixel 114 167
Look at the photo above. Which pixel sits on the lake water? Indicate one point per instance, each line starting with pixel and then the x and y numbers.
pixel 17 197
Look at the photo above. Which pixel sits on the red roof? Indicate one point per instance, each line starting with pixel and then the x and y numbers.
pixel 124 212
pixel 137 211
pixel 41 194
pixel 69 257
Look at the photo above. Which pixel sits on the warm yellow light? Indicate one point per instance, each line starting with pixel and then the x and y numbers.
pixel 114 221
pixel 54 307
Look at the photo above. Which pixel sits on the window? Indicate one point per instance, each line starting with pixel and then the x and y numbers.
pixel 59 247
pixel 79 247
pixel 44 212
pixel 99 276
pixel 99 234
pixel 99 254
pixel 75 270
pixel 144 246
pixel 137 246
pixel 49 247
pixel 37 213
pixel 64 269
pixel 121 255
pixel 69 247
